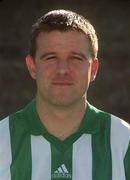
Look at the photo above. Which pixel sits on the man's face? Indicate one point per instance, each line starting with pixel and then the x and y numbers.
pixel 61 67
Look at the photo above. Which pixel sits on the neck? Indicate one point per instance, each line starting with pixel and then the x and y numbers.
pixel 61 121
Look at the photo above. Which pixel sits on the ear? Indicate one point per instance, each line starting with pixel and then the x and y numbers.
pixel 30 63
pixel 94 69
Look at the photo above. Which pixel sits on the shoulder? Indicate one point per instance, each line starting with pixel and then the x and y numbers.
pixel 16 116
pixel 4 125
pixel 120 130
pixel 8 123
pixel 120 124
pixel 4 139
pixel 18 121
pixel 115 122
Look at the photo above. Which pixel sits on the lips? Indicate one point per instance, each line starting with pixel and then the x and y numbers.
pixel 62 83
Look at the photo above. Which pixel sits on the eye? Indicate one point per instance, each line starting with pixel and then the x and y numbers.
pixel 49 58
pixel 77 58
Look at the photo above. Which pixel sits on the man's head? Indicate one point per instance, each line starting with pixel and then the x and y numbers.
pixel 63 58
pixel 64 20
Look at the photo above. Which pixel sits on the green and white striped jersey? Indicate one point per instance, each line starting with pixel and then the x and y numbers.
pixel 99 150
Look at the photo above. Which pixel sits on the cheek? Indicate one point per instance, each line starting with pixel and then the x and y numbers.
pixel 45 72
pixel 83 72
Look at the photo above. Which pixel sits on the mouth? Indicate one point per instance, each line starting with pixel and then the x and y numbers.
pixel 62 83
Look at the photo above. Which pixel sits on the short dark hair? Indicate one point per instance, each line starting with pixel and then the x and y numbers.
pixel 64 20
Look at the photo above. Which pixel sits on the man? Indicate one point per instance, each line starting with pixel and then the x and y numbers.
pixel 59 135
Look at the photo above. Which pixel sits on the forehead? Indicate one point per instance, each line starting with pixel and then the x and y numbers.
pixel 64 39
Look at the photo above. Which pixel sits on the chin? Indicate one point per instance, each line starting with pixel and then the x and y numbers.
pixel 63 102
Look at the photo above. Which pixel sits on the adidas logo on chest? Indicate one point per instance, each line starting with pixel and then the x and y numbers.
pixel 61 172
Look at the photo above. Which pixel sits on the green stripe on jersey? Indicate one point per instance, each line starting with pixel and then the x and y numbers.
pixel 127 163
pixel 61 164
pixel 101 152
pixel 21 149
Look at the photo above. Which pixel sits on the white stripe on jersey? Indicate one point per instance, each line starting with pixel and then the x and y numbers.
pixel 120 138
pixel 5 150
pixel 82 158
pixel 41 158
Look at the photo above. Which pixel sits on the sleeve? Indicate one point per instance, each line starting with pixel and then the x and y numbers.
pixel 127 163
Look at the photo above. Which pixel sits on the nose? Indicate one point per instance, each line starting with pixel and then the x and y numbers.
pixel 63 67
